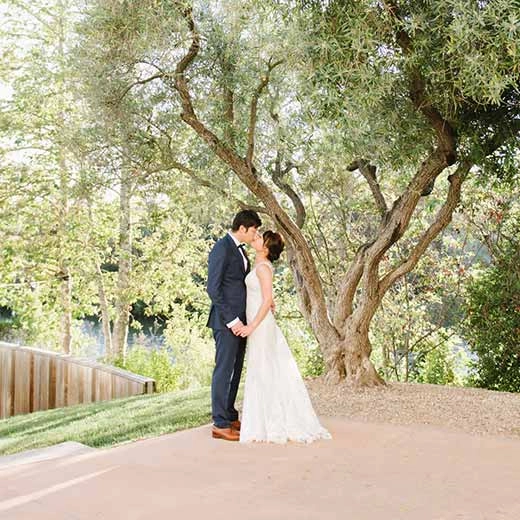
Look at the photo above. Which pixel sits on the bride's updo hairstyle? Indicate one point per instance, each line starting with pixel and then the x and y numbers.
pixel 274 243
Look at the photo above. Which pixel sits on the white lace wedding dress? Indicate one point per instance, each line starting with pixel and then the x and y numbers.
pixel 276 405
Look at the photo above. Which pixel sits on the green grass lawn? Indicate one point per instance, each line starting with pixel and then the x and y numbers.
pixel 107 423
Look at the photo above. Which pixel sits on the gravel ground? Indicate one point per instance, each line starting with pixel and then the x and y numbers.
pixel 470 410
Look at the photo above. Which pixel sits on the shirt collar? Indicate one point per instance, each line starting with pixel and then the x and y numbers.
pixel 237 243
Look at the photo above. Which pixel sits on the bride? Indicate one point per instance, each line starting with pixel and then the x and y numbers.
pixel 276 404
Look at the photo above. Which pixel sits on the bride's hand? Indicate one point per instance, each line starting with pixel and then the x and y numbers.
pixel 245 331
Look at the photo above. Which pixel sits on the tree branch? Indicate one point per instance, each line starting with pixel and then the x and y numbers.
pixel 369 172
pixel 348 287
pixel 214 187
pixel 37 16
pixel 140 82
pixel 229 115
pixel 445 132
pixel 442 219
pixel 229 101
pixel 397 219
pixel 170 162
pixel 314 305
pixel 5 151
pixel 253 110
pixel 278 175
pixel 391 229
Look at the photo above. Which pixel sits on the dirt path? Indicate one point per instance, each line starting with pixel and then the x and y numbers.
pixel 368 471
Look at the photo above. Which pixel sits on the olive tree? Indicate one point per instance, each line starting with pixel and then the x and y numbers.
pixel 421 92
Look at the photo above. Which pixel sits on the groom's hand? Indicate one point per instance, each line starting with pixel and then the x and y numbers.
pixel 237 328
pixel 245 331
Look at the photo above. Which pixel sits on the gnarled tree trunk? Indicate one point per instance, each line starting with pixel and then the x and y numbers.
pixel 348 359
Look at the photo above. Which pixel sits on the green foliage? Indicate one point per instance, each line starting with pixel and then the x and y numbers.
pixel 437 367
pixel 154 363
pixel 8 329
pixel 302 343
pixel 309 359
pixel 363 69
pixel 421 312
pixel 492 327
pixel 492 304
pixel 192 347
pixel 99 107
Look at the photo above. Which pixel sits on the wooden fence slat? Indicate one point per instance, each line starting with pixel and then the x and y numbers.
pixel 12 379
pixel 34 379
pixel 6 395
pixel 73 385
pixel 52 382
pixel 43 390
pixel 61 397
pixel 22 383
pixel 93 385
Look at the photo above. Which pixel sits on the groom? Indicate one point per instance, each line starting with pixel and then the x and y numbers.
pixel 228 266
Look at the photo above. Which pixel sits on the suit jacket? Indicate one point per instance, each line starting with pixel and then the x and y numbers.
pixel 226 284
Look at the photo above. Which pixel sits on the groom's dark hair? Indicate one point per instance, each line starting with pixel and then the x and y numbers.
pixel 247 218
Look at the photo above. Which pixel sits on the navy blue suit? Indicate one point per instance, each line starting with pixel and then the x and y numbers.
pixel 227 291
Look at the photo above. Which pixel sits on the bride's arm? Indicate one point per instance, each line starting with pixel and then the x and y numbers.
pixel 265 276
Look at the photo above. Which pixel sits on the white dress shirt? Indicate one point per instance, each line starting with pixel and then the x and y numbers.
pixel 237 243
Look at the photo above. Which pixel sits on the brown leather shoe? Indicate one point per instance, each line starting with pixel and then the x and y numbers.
pixel 227 434
pixel 236 425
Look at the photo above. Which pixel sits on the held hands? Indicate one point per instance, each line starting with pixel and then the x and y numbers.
pixel 237 327
pixel 245 331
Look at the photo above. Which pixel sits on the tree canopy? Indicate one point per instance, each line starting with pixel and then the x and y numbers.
pixel 354 127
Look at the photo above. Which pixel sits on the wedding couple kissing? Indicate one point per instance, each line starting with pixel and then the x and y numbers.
pixel 276 406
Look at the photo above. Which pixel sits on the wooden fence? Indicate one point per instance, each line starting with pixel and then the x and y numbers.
pixel 33 380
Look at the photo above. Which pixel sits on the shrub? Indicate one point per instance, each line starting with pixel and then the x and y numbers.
pixel 306 352
pixel 437 367
pixel 492 327
pixel 155 363
pixel 192 347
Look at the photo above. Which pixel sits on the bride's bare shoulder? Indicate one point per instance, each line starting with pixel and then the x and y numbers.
pixel 264 267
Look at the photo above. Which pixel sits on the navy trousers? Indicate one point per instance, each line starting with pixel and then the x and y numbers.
pixel 229 361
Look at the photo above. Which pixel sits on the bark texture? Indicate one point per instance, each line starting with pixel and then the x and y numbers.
pixel 123 301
